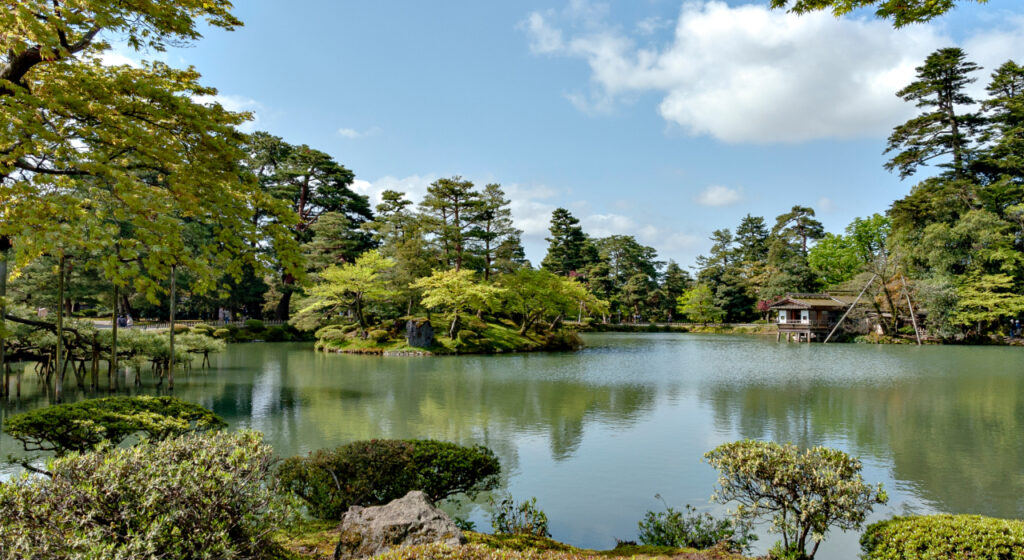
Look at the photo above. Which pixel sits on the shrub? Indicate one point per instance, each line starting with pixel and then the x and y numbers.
pixel 198 496
pixel 379 335
pixel 467 336
pixel 349 328
pixel 203 329
pixel 221 333
pixel 81 426
pixel 333 335
pixel 324 330
pixel 254 324
pixel 944 536
pixel 694 530
pixel 243 336
pixel 377 471
pixel 181 329
pixel 806 492
pixel 525 518
pixel 277 334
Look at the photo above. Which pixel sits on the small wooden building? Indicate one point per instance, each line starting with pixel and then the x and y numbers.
pixel 807 317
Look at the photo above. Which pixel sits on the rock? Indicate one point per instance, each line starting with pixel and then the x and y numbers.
pixel 409 520
pixel 419 333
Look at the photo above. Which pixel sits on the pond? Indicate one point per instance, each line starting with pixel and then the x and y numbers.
pixel 595 435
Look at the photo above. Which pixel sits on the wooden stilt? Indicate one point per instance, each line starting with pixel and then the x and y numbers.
pixel 913 317
pixel 852 305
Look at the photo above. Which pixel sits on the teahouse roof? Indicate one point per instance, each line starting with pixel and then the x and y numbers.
pixel 813 301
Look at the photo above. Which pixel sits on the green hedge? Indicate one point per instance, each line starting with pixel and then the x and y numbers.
pixel 377 471
pixel 944 536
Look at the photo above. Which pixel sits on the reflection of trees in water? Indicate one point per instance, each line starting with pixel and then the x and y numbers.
pixel 956 439
pixel 304 400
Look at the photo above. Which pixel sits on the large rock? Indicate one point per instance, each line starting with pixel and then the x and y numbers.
pixel 419 333
pixel 406 521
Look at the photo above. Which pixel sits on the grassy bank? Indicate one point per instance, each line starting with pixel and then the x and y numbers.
pixel 761 329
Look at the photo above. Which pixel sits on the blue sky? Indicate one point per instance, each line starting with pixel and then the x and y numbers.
pixel 660 119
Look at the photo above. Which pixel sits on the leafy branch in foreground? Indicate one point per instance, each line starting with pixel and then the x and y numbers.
pixel 81 426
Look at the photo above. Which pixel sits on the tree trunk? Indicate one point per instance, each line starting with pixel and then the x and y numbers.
pixel 5 247
pixel 170 359
pixel 453 329
pixel 112 365
pixel 59 382
pixel 284 305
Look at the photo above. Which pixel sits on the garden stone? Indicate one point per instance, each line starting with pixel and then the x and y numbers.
pixel 409 520
pixel 419 333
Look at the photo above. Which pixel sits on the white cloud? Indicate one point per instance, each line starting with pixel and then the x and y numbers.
pixel 237 104
pixel 543 38
pixel 746 73
pixel 651 25
pixel 115 58
pixel 826 205
pixel 352 133
pixel 414 187
pixel 717 195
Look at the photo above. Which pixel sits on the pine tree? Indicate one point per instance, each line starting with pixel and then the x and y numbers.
pixel 450 208
pixel 945 127
pixel 567 244
pixel 494 229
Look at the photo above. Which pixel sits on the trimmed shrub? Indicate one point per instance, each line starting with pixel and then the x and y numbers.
pixel 691 529
pixel 510 518
pixel 467 336
pixel 277 334
pixel 83 425
pixel 944 536
pixel 349 328
pixel 243 336
pixel 375 472
pixel 379 335
pixel 198 496
pixel 333 335
pixel 221 333
pixel 181 329
pixel 324 330
pixel 204 329
pixel 254 324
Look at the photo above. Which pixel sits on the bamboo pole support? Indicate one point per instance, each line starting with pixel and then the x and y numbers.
pixel 852 305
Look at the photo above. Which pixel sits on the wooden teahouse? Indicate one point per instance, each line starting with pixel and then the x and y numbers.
pixel 807 317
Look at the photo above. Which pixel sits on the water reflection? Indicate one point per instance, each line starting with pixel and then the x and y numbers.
pixel 595 434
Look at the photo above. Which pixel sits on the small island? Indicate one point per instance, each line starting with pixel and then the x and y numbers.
pixel 354 308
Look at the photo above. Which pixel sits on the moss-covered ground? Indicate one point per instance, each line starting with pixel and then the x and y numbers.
pixel 315 540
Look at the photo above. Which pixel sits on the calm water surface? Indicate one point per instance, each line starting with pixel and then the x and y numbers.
pixel 595 435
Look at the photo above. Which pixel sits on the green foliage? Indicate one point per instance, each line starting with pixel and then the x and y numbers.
pixel 379 335
pixel 278 334
pixel 692 529
pixel 377 471
pixel 698 305
pixel 455 291
pixel 197 496
pixel 353 285
pixel 254 325
pixel 221 333
pixel 144 130
pixel 510 518
pixel 944 536
pixel 803 492
pixel 901 12
pixel 83 425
